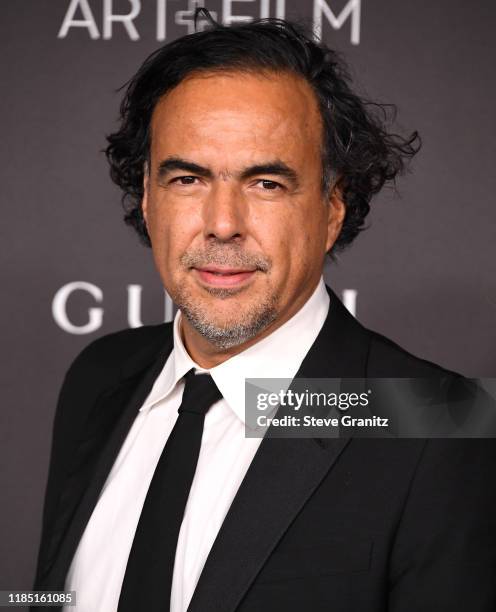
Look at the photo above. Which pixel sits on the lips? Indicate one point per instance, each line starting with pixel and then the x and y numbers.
pixel 219 276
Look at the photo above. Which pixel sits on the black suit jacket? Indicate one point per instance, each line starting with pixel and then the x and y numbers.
pixel 330 524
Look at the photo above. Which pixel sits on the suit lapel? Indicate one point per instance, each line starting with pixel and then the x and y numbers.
pixel 102 438
pixel 282 476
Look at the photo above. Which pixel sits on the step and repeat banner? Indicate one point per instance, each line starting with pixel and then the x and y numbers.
pixel 423 274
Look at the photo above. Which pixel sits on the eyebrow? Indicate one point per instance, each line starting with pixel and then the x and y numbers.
pixel 275 168
pixel 176 163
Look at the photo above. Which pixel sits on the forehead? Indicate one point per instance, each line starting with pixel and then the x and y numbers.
pixel 238 112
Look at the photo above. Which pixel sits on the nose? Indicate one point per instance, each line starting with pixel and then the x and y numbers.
pixel 224 213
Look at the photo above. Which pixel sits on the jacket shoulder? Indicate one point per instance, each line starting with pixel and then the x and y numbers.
pixel 104 362
pixel 108 354
pixel 388 359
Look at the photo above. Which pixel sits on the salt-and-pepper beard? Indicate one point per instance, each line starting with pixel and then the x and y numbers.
pixel 251 323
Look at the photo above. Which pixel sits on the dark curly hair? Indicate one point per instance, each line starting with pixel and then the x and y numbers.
pixel 357 148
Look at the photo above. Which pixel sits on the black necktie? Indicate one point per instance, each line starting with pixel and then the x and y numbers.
pixel 148 578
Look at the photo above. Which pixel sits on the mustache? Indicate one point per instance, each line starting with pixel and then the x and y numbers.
pixel 221 255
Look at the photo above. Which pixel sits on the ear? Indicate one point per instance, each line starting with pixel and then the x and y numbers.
pixel 336 212
pixel 146 187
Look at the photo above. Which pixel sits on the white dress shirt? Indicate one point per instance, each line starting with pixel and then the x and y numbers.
pixel 98 567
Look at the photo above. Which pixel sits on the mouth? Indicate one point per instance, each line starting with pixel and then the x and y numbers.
pixel 219 276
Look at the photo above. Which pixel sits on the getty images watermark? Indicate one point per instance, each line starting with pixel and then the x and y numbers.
pixel 442 407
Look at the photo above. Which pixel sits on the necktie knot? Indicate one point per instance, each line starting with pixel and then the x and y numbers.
pixel 200 392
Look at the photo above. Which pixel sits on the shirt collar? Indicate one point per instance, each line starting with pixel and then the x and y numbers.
pixel 268 358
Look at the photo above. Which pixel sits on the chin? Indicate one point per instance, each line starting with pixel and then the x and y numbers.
pixel 225 320
pixel 223 312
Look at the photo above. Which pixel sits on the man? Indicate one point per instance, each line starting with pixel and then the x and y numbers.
pixel 245 158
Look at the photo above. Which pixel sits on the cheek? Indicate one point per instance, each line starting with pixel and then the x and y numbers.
pixel 288 242
pixel 273 233
pixel 302 231
pixel 171 230
pixel 307 240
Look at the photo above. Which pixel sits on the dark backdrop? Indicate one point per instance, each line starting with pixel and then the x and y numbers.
pixel 424 273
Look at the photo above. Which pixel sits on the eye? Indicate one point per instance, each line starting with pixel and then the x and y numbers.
pixel 184 180
pixel 270 185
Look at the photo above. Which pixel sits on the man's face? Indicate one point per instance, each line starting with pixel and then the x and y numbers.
pixel 233 201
